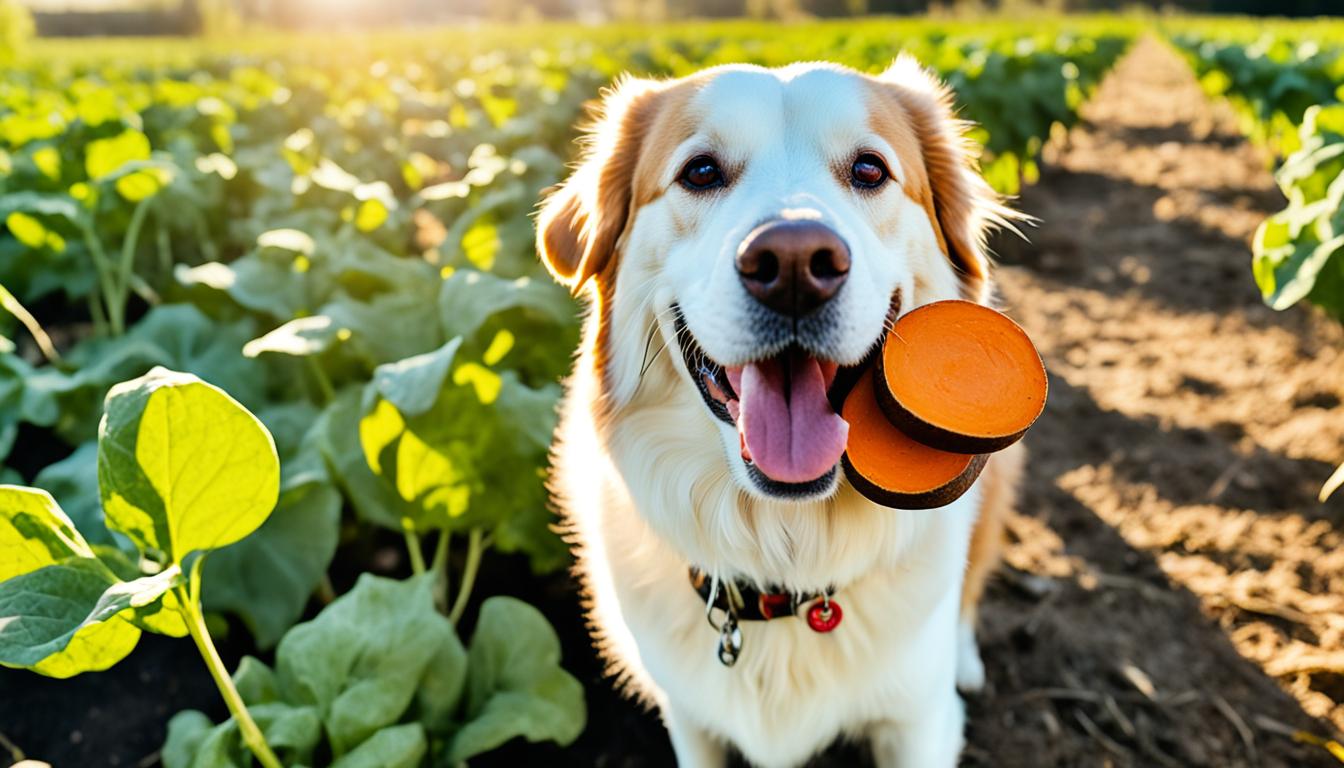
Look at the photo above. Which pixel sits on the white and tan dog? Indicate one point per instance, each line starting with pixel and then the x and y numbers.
pixel 741 233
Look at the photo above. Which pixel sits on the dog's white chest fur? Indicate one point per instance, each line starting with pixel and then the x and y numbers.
pixel 653 497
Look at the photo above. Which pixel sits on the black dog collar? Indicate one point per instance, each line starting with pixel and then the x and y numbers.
pixel 745 601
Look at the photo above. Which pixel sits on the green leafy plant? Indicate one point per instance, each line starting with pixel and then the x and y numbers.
pixel 378 678
pixel 183 470
pixel 1299 252
pixel 1271 80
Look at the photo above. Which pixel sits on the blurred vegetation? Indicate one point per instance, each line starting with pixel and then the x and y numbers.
pixel 16 29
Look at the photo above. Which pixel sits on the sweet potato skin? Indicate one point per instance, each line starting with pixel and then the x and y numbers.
pixel 931 499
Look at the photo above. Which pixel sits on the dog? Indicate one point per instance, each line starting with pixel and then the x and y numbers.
pixel 742 234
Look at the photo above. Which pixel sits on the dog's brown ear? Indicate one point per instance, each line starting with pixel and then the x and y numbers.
pixel 964 207
pixel 581 222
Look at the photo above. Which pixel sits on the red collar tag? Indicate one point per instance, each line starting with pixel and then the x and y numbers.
pixel 824 615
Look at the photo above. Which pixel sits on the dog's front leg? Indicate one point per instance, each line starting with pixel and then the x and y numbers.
pixel 930 739
pixel 694 746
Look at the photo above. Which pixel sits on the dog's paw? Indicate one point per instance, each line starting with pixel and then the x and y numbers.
pixel 970 669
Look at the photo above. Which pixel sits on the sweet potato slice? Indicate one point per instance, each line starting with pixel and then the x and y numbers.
pixel 894 470
pixel 960 377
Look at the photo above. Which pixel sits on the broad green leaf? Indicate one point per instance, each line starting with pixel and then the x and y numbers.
pixel 431 478
pixel 397 746
pixel 35 535
pixel 483 381
pixel 1295 276
pixel 264 285
pixel 94 648
pixel 370 215
pixel 446 191
pixel 338 436
pixel 187 731
pixel 468 298
pixel 515 686
pixel 177 336
pixel 329 175
pixel 521 509
pixel 141 184
pixel 182 466
pixel 294 425
pixel 412 385
pixel 27 229
pixel 439 696
pixel 211 274
pixel 481 244
pixel 288 240
pixel 42 204
pixel 48 162
pixel 255 682
pixel 268 577
pixel 195 742
pixel 390 327
pixel 162 617
pixel 34 532
pixel 74 480
pixel 41 611
pixel 360 661
pixel 104 157
pixel 300 337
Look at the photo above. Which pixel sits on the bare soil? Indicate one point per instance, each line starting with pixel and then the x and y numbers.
pixel 1174 593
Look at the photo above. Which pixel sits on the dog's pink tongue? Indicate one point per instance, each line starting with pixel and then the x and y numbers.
pixel 790 429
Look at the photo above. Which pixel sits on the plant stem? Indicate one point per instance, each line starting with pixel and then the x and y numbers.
pixel 439 567
pixel 195 620
pixel 17 309
pixel 325 592
pixel 96 314
pixel 124 268
pixel 475 548
pixel 144 290
pixel 413 548
pixel 440 562
pixel 12 748
pixel 323 380
pixel 104 268
pixel 165 249
pixel 203 237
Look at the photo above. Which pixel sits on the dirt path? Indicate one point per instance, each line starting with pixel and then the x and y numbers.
pixel 1177 592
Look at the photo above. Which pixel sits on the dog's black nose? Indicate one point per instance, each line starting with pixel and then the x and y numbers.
pixel 793 266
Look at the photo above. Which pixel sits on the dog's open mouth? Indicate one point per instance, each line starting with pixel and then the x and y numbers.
pixel 790 435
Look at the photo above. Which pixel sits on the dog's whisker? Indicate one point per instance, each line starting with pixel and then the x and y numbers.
pixel 647 361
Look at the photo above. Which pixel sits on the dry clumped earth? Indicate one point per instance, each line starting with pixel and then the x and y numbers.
pixel 1175 592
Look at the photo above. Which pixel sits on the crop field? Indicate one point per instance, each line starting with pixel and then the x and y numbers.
pixel 291 279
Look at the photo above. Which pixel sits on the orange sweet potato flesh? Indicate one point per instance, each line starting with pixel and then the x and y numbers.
pixel 961 377
pixel 890 468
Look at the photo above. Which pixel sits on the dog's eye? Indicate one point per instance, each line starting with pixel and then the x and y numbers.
pixel 868 171
pixel 701 173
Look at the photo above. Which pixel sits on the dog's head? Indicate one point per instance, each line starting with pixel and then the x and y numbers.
pixel 770 224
